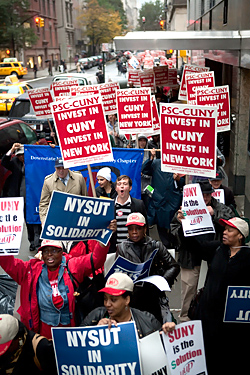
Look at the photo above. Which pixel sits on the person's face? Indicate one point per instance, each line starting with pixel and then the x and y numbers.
pixel 111 118
pixel 102 182
pixel 62 172
pixel 52 257
pixel 21 157
pixel 123 188
pixel 215 183
pixel 115 305
pixel 142 143
pixel 231 236
pixel 156 138
pixel 136 233
pixel 207 199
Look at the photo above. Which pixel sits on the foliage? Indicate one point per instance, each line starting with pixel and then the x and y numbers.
pixel 101 25
pixel 152 11
pixel 14 18
pixel 115 5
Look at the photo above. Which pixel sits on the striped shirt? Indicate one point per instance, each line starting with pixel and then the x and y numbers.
pixel 122 211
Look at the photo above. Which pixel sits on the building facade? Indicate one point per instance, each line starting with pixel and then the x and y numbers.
pixel 46 48
pixel 231 68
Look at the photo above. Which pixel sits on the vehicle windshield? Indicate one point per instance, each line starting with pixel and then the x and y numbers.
pixel 9 90
pixel 20 108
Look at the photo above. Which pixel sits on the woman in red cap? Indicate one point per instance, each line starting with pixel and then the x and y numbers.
pixel 229 266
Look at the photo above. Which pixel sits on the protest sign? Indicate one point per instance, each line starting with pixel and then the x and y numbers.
pixel 172 78
pixel 196 81
pixel 218 96
pixel 135 271
pixel 108 94
pixel 82 130
pixel 153 356
pixel 11 228
pixel 185 349
pixel 158 281
pixel 147 79
pixel 133 77
pixel 188 139
pixel 197 217
pixel 126 161
pixel 134 111
pixel 237 308
pixel 40 100
pixel 133 62
pixel 97 350
pixel 75 218
pixel 84 90
pixel 62 88
pixel 156 120
pixel 161 75
pixel 188 68
pixel 219 194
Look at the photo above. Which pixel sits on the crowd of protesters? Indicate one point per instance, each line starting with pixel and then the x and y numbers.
pixel 47 291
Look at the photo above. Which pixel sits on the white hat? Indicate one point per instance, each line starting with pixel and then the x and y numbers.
pixel 117 284
pixel 105 173
pixel 19 151
pixel 238 223
pixel 51 243
pixel 136 218
pixel 9 327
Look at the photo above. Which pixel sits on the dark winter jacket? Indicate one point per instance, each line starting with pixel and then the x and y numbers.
pixel 100 192
pixel 187 258
pixel 145 322
pixel 13 182
pixel 167 195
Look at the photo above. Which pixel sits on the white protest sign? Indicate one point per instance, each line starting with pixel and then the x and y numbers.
pixel 153 357
pixel 185 349
pixel 219 194
pixel 159 281
pixel 62 88
pixel 188 68
pixel 11 228
pixel 197 217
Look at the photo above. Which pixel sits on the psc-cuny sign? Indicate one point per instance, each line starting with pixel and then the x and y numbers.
pixel 97 350
pixel 195 81
pixel 72 217
pixel 197 217
pixel 40 100
pixel 237 308
pixel 84 90
pixel 82 130
pixel 161 75
pixel 62 88
pixel 156 120
pixel 11 227
pixel 217 96
pixel 134 110
pixel 188 68
pixel 108 94
pixel 188 139
pixel 147 78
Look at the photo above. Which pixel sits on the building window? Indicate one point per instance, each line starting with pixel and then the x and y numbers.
pixel 48 8
pixel 212 3
pixel 210 20
pixel 202 7
pixel 54 9
pixel 225 12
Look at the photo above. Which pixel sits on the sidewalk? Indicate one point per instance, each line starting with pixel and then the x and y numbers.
pixel 44 72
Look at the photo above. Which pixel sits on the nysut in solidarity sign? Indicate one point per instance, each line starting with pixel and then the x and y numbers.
pixel 97 350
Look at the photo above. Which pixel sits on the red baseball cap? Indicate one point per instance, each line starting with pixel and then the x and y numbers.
pixel 9 327
pixel 117 284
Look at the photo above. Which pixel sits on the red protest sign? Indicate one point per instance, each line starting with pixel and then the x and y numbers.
pixel 133 77
pixel 161 75
pixel 40 100
pixel 188 68
pixel 218 96
pixel 82 130
pixel 147 79
pixel 84 90
pixel 62 88
pixel 195 81
pixel 172 78
pixel 188 139
pixel 156 120
pixel 108 94
pixel 134 111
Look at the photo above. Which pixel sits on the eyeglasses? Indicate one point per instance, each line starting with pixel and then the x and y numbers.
pixel 51 251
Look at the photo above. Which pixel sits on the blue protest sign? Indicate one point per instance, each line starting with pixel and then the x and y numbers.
pixel 72 217
pixel 40 162
pixel 135 271
pixel 97 350
pixel 237 308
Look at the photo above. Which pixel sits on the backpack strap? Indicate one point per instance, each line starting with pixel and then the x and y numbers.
pixel 35 341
